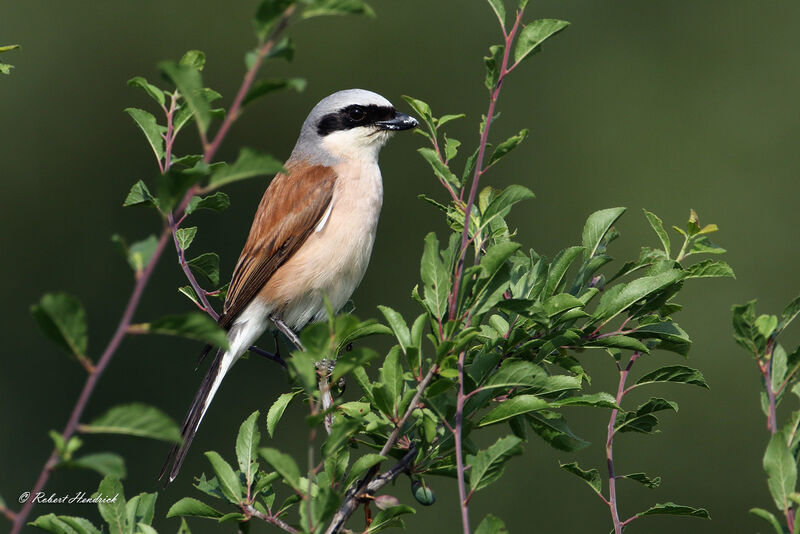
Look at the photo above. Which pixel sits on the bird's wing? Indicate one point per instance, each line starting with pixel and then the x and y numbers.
pixel 291 207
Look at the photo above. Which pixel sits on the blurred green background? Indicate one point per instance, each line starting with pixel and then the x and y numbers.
pixel 660 105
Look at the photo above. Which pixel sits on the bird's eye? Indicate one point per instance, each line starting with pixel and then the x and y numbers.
pixel 356 113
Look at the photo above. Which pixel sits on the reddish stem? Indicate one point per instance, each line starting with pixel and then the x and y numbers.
pixel 91 381
pixel 612 480
pixel 495 94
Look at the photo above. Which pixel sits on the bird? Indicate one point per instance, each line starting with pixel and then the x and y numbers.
pixel 311 237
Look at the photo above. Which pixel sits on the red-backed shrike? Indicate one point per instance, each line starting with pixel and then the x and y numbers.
pixel 311 237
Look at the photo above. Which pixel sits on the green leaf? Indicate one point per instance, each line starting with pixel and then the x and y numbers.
pixel 389 390
pixel 596 400
pixel 140 510
pixel 190 84
pixel 553 428
pixel 614 303
pixel 284 465
pixel 561 303
pixel 63 524
pixel 217 202
pixel 496 256
pixel 590 476
pixel 152 131
pixel 268 13
pixel 113 511
pixel 173 184
pixel 703 245
pixel 619 342
pixel 494 63
pixel 264 87
pixel 185 236
pixel 229 482
pixel 349 361
pixel 360 467
pixel 670 508
pixel 135 419
pixel 658 228
pixel 558 268
pixel 766 325
pixel 435 276
pixel 769 518
pixel 534 34
pixel 193 325
pixel 206 266
pixel 490 523
pixel 781 468
pixel 61 318
pixel 141 253
pixel 502 203
pixel 423 111
pixel 195 59
pixel 512 407
pixel 388 518
pixel 154 92
pixel 499 10
pixel 643 479
pixel 674 373
pixel 507 146
pixel 276 411
pixel 642 419
pixel 439 168
pixel 247 447
pixel 672 336
pixel 192 507
pixel 398 326
pixel 139 195
pixel 444 119
pixel 487 465
pixel 597 225
pixel 318 8
pixel 249 164
pixel 105 463
pixel 710 269
pixel 789 313
pixel 341 431
pixel 513 374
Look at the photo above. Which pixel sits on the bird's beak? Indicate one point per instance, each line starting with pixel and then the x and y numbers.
pixel 401 121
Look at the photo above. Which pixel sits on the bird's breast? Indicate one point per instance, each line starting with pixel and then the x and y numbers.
pixel 335 256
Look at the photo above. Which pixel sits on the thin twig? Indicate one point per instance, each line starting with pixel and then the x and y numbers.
pixel 143 277
pixel 271 519
pixel 612 477
pixel 94 376
pixel 366 489
pixel 354 496
pixel 509 38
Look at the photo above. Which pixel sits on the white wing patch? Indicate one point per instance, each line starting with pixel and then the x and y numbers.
pixel 323 221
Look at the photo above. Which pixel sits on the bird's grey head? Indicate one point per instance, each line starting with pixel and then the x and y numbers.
pixel 349 124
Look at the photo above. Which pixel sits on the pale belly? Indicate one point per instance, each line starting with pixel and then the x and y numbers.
pixel 332 262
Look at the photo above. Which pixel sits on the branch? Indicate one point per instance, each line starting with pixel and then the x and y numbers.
pixel 355 495
pixel 366 489
pixel 495 95
pixel 143 278
pixel 612 478
pixel 94 376
pixel 271 519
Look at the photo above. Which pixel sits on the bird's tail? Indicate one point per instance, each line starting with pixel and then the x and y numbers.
pixel 219 367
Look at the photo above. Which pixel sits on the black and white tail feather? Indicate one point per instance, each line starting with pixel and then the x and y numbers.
pixel 202 400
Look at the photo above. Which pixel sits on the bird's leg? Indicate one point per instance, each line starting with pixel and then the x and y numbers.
pixel 287 332
pixel 324 369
